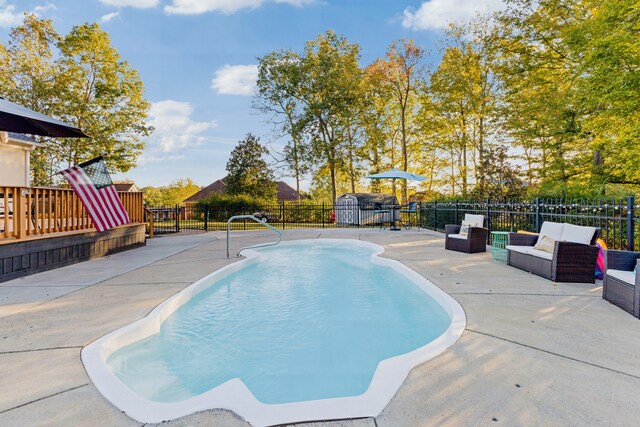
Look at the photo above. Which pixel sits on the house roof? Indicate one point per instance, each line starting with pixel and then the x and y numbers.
pixel 284 192
pixel 125 186
pixel 213 188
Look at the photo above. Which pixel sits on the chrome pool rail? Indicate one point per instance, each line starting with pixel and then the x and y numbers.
pixel 260 245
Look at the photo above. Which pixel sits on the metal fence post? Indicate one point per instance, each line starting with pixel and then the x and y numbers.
pixel 283 218
pixel 244 221
pixel 206 218
pixel 630 223
pixel 177 212
pixel 322 214
pixel 488 220
pixel 538 225
pixel 435 215
pixel 457 216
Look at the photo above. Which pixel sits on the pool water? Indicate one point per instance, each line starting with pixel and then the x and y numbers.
pixel 305 322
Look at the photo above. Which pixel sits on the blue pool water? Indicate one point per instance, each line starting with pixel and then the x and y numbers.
pixel 306 322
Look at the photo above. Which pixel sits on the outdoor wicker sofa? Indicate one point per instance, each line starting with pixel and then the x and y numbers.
pixel 621 285
pixel 474 241
pixel 571 258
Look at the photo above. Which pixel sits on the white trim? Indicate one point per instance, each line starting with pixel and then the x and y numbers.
pixel 233 394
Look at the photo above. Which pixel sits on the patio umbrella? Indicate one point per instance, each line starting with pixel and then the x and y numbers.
pixel 19 119
pixel 397 174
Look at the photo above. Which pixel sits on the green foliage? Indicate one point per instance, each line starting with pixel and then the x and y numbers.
pixel 174 193
pixel 81 79
pixel 248 171
pixel 222 206
pixel 29 77
pixel 103 95
pixel 279 76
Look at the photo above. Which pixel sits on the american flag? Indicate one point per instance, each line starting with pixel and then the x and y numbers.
pixel 92 183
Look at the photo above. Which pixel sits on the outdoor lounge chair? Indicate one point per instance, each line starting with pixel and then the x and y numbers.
pixel 621 285
pixel 475 240
pixel 560 252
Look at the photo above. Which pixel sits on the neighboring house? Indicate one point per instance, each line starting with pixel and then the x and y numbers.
pixel 284 192
pixel 15 159
pixel 125 186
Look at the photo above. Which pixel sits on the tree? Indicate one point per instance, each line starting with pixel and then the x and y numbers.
pixel 174 193
pixel 29 77
pixel 402 71
pixel 607 43
pixel 103 95
pixel 277 96
pixel 329 88
pixel 80 79
pixel 248 171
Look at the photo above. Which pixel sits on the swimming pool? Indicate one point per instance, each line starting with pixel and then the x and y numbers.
pixel 306 330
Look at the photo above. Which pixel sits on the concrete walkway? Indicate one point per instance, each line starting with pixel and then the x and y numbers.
pixel 534 352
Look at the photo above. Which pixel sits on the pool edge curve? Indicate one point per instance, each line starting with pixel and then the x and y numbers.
pixel 233 395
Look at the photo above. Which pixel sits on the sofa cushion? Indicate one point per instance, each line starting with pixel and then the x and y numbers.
pixel 625 276
pixel 552 229
pixel 457 236
pixel 529 250
pixel 474 220
pixel 577 233
pixel 546 244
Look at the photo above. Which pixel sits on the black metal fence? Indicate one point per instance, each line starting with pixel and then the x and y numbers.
pixel 617 218
pixel 172 219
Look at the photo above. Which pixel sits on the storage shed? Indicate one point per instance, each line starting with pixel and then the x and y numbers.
pixel 366 209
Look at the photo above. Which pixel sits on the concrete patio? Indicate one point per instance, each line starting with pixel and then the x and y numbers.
pixel 534 352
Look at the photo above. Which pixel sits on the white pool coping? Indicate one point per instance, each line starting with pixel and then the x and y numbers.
pixel 233 394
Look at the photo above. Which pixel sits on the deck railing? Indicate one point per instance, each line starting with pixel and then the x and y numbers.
pixel 27 212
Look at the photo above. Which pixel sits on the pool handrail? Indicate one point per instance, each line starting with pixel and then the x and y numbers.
pixel 259 245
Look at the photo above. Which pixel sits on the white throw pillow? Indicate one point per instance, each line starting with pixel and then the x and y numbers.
pixel 464 228
pixel 546 244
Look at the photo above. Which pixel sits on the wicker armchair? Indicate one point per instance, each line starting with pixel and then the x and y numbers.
pixel 621 285
pixel 475 240
pixel 569 262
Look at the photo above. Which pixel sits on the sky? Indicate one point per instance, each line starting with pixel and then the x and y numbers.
pixel 198 61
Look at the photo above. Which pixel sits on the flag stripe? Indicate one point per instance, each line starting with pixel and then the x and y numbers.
pixel 86 201
pixel 116 203
pixel 103 204
pixel 89 203
pixel 90 189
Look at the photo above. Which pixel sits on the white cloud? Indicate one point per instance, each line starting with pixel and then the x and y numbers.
pixel 438 14
pixel 195 7
pixel 236 80
pixel 109 16
pixel 297 3
pixel 47 7
pixel 8 15
pixel 138 4
pixel 174 130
